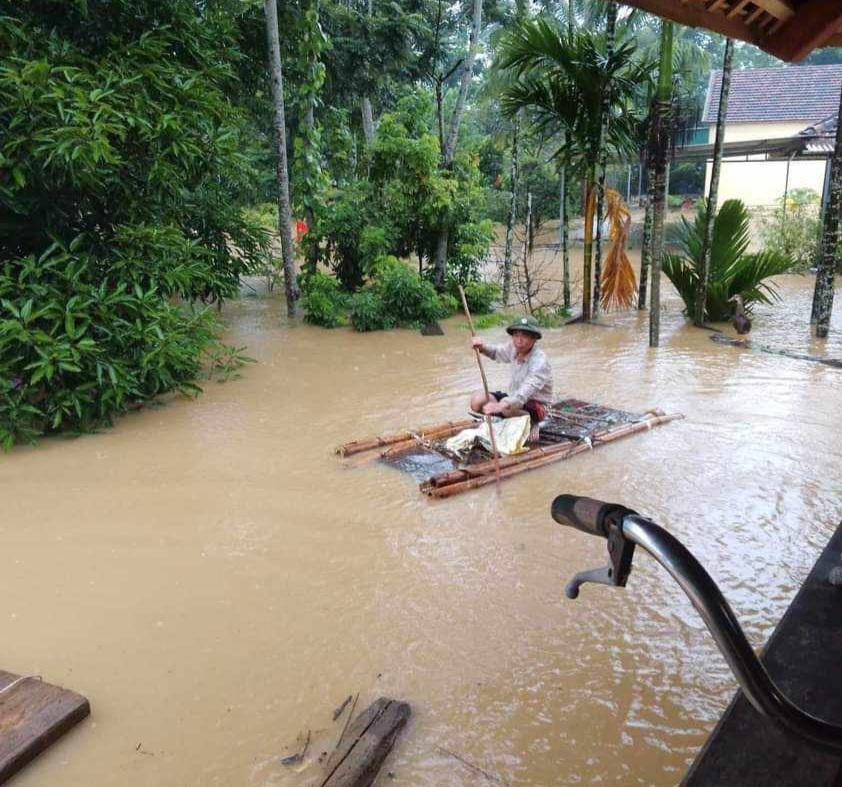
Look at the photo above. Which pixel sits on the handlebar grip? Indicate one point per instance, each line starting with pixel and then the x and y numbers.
pixel 583 513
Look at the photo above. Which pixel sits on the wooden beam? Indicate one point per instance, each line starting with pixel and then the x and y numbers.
pixel 715 5
pixel 777 8
pixel 697 16
pixel 735 11
pixel 813 27
pixel 753 16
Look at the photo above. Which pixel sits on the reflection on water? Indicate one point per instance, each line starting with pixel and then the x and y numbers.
pixel 216 582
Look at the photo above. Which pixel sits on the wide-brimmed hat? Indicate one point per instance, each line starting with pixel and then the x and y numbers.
pixel 526 324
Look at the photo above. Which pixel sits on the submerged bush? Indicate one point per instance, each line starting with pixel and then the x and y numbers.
pixel 481 296
pixel 323 300
pixel 368 312
pixel 407 298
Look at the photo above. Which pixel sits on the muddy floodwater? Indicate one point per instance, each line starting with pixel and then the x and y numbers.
pixel 216 581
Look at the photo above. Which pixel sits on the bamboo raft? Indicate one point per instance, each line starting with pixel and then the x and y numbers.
pixel 573 427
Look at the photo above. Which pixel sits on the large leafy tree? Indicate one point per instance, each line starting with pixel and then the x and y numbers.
pixel 123 165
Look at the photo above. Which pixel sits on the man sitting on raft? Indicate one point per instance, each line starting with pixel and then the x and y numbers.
pixel 531 386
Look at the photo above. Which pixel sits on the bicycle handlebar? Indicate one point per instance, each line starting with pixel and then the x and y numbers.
pixel 587 514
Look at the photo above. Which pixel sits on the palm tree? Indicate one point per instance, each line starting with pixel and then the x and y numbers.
pixel 823 296
pixel 610 39
pixel 732 270
pixel 658 145
pixel 561 80
pixel 713 191
pixel 690 65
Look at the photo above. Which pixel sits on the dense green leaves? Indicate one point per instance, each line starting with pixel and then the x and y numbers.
pixel 123 168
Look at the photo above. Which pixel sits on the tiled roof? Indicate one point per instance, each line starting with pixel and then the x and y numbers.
pixel 803 93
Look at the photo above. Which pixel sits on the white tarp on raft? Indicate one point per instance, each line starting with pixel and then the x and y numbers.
pixel 510 434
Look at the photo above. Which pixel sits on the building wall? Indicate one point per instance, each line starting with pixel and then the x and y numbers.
pixel 757 182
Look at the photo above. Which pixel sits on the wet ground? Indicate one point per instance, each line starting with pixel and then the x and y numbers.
pixel 217 582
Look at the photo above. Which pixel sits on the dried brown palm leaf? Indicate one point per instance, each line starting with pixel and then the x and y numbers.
pixel 619 285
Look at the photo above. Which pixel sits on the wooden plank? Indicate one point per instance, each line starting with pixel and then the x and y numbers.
pixel 366 744
pixel 33 714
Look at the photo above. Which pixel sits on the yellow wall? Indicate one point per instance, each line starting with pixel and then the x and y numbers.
pixel 757 182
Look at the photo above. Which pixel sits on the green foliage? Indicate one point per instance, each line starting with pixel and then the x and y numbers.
pixel 793 228
pixel 562 79
pixel 124 167
pixel 79 346
pixel 407 298
pixel 368 312
pixel 480 295
pixel 552 317
pixel 485 321
pixel 323 300
pixel 399 208
pixel 733 270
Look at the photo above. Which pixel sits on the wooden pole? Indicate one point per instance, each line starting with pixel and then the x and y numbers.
pixel 360 446
pixel 484 387
pixel 547 456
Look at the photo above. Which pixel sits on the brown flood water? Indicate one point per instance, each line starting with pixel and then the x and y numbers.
pixel 216 581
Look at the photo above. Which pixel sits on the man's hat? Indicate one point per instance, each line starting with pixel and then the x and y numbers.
pixel 526 324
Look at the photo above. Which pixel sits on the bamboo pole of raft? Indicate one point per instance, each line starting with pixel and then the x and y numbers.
pixel 484 387
pixel 531 462
pixel 359 446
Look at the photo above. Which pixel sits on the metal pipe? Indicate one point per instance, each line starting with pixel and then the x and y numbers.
pixel 718 616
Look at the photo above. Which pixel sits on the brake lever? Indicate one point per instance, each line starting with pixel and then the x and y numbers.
pixel 620 555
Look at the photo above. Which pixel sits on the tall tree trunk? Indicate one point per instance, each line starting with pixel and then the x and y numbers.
pixel 279 122
pixel 571 19
pixel 713 192
pixel 527 248
pixel 510 220
pixel 367 115
pixel 646 243
pixel 309 215
pixel 368 121
pixel 587 249
pixel 564 238
pixel 830 238
pixel 453 135
pixel 602 155
pixel 659 145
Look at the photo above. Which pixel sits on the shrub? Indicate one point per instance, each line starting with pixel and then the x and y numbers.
pixel 323 300
pixel 368 312
pixel 793 228
pixel 449 304
pixel 406 297
pixel 78 347
pixel 733 271
pixel 481 296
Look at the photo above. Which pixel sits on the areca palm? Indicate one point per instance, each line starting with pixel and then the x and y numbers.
pixel 733 270
pixel 561 80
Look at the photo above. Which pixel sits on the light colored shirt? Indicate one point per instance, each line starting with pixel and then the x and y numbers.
pixel 532 378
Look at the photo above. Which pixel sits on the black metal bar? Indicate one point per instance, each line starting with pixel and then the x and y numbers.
pixel 718 616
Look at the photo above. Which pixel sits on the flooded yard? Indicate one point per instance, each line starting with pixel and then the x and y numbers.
pixel 216 581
